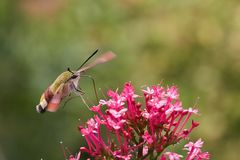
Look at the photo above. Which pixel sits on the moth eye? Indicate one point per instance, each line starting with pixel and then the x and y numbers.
pixel 74 76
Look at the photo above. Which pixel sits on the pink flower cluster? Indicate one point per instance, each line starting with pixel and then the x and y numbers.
pixel 195 152
pixel 124 129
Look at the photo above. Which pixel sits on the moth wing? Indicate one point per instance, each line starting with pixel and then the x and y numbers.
pixel 55 101
pixel 101 59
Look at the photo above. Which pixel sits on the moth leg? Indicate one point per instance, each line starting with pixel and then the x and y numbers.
pixel 83 100
pixel 79 90
pixel 70 98
pixel 94 85
pixel 80 93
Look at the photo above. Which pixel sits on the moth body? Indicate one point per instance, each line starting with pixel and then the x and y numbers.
pixel 66 83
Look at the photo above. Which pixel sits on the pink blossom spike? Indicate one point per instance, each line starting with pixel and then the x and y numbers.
pixel 134 130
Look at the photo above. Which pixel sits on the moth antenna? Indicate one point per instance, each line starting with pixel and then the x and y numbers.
pixel 88 59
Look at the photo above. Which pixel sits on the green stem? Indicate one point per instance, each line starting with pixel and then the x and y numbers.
pixel 140 149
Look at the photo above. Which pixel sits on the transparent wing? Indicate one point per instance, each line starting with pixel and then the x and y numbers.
pixel 101 59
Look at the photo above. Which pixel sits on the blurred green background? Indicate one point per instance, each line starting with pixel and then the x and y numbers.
pixel 194 44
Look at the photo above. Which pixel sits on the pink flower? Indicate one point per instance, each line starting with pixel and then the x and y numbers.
pixel 147 137
pixel 177 106
pixel 198 144
pixel 145 150
pixel 148 91
pixel 136 131
pixel 171 156
pixel 115 125
pixel 172 92
pixel 122 157
pixel 77 157
pixel 194 150
pixel 117 114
